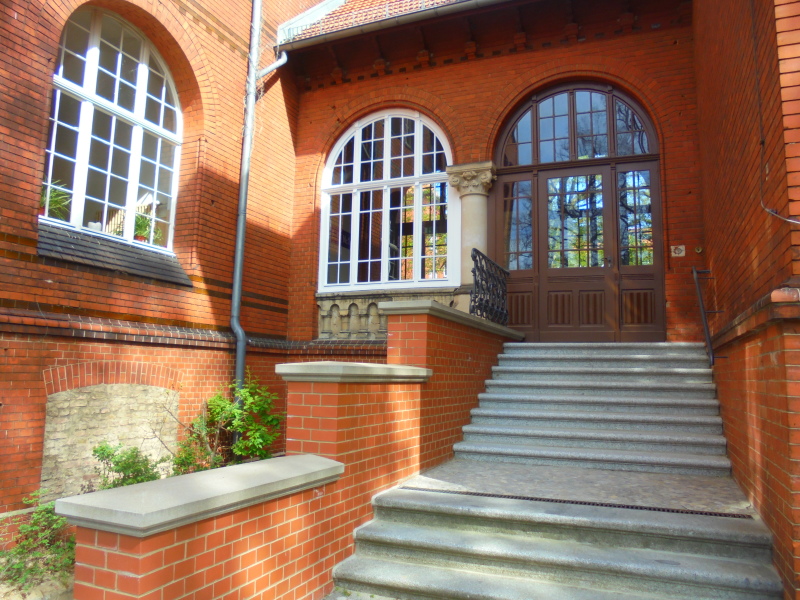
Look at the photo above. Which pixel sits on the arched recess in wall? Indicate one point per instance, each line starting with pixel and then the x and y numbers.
pixel 121 402
pixel 172 114
pixel 575 215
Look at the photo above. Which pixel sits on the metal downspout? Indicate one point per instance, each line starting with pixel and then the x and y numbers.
pixel 253 75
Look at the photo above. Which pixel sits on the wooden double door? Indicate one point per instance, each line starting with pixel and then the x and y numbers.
pixel 584 248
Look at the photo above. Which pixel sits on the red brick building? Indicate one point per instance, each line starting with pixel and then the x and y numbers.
pixel 626 141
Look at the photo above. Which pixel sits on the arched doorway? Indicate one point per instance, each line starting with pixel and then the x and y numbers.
pixel 577 218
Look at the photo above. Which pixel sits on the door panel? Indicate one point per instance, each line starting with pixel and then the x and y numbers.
pixel 577 282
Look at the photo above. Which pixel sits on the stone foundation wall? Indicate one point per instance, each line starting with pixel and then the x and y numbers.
pixel 77 420
pixel 354 316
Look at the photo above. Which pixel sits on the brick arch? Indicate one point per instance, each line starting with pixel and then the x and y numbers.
pixel 634 82
pixel 85 374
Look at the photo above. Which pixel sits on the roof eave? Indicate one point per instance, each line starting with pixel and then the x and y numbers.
pixel 404 19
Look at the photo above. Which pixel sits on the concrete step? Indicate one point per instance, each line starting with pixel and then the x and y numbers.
pixel 597 458
pixel 617 439
pixel 611 349
pixel 600 375
pixel 603 361
pixel 522 399
pixel 574 419
pixel 542 384
pixel 569 562
pixel 369 577
pixel 722 537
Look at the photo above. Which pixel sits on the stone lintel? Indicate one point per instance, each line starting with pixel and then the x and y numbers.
pixel 430 307
pixel 148 508
pixel 472 178
pixel 347 372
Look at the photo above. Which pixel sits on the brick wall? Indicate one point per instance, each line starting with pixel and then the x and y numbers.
pixel 759 386
pixel 471 97
pixel 461 358
pixel 748 250
pixel 278 550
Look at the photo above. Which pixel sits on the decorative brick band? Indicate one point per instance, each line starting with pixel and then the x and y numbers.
pixel 85 374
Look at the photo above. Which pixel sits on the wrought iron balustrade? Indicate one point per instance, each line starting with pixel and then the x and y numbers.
pixel 488 298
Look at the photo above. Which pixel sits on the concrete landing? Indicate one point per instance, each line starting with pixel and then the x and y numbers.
pixel 653 490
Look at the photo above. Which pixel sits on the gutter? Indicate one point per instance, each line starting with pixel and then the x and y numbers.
pixel 404 19
pixel 253 75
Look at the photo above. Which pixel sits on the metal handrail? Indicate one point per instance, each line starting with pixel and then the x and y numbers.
pixel 704 313
pixel 488 297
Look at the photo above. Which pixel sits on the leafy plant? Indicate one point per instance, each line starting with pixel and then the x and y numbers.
pixel 43 546
pixel 209 438
pixel 59 205
pixel 142 227
pixel 120 466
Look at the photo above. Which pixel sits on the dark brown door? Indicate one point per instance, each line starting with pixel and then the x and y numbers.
pixel 585 253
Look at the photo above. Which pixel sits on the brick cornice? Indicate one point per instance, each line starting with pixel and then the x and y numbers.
pixel 779 305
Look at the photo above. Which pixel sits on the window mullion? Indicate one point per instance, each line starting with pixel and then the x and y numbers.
pixel 81 163
pixel 357 156
pixel 355 224
pixel 385 233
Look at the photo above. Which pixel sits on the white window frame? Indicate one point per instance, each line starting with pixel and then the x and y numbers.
pixel 90 102
pixel 453 278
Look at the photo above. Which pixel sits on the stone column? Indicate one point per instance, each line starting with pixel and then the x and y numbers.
pixel 472 181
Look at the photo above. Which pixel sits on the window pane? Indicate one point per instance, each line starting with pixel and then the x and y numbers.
pixel 401 234
pixel 434 231
pixel 575 221
pixel 402 147
pixel 554 130
pixel 635 218
pixel 631 135
pixel 591 118
pixel 339 241
pixel 370 245
pixel 433 159
pixel 343 169
pixel 372 151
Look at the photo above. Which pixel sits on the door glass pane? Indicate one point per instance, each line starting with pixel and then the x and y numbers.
pixel 635 218
pixel 401 233
pixel 369 236
pixel 518 225
pixel 575 221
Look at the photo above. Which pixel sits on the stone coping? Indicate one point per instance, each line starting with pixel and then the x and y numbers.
pixel 148 508
pixel 431 307
pixel 347 372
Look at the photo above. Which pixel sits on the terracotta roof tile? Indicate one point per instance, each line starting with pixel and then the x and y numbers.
pixel 358 12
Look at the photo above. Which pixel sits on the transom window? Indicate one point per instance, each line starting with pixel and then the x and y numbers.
pixel 576 124
pixel 115 134
pixel 385 205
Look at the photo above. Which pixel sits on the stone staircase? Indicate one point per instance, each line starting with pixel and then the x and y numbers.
pixel 633 407
pixel 636 408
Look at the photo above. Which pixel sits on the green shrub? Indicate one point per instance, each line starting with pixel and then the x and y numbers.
pixel 120 466
pixel 43 548
pixel 209 438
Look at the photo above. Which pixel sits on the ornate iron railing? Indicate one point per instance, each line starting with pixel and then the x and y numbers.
pixel 488 297
pixel 704 313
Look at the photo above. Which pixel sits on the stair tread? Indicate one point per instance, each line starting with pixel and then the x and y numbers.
pixel 457 584
pixel 575 415
pixel 750 532
pixel 677 437
pixel 536 398
pixel 631 562
pixel 627 456
pixel 649 371
pixel 549 383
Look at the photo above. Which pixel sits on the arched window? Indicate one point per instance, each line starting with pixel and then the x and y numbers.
pixel 115 134
pixel 385 206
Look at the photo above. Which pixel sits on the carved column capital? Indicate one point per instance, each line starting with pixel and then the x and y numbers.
pixel 472 178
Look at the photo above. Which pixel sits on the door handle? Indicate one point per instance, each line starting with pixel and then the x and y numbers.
pixel 609 262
